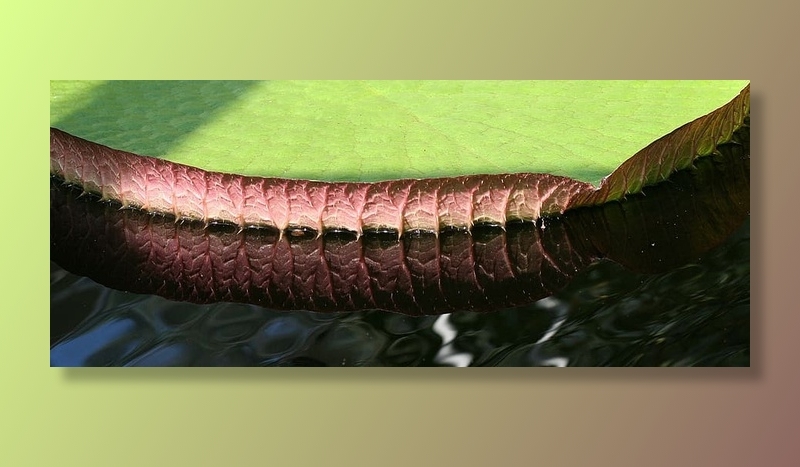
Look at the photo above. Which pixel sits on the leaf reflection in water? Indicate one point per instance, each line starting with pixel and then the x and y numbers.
pixel 695 315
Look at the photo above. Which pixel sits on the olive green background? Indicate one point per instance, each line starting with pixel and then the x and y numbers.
pixel 602 417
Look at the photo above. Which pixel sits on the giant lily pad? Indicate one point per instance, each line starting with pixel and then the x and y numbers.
pixel 375 131
pixel 378 130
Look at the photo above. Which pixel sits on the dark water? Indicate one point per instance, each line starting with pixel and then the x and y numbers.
pixel 696 314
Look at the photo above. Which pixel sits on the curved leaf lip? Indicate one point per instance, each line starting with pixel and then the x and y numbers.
pixel 673 152
pixel 395 206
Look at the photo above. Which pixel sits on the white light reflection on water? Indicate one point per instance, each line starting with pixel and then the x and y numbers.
pixel 560 310
pixel 551 303
pixel 447 354
pixel 555 361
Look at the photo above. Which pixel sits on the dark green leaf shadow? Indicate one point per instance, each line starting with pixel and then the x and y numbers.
pixel 151 117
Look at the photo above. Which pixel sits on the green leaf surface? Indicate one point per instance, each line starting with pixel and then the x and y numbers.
pixel 378 130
